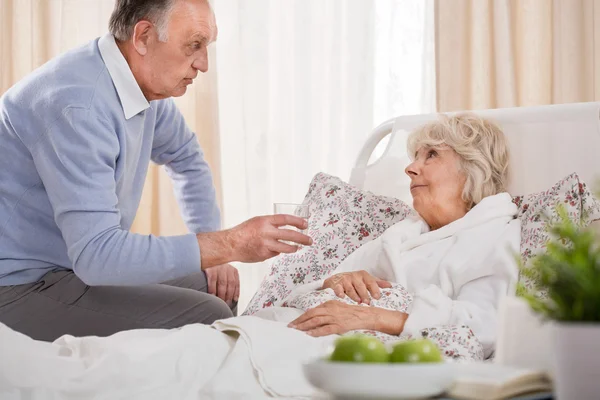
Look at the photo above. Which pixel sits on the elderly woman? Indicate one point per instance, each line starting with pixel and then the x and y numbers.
pixel 456 257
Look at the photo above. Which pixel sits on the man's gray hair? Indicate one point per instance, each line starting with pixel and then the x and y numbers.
pixel 127 13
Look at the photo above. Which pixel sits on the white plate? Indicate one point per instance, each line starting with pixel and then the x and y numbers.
pixel 382 381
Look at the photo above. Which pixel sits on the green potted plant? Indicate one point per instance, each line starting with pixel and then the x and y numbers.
pixel 568 274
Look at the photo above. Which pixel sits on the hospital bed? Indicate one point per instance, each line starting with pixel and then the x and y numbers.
pixel 547 143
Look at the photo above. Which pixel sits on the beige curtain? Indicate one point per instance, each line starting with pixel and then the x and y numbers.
pixel 505 53
pixel 33 31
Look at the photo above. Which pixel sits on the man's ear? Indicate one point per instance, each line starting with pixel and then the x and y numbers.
pixel 141 36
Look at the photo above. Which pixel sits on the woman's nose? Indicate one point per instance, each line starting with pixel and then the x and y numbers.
pixel 412 169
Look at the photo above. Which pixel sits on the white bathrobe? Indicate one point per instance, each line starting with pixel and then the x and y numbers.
pixel 457 273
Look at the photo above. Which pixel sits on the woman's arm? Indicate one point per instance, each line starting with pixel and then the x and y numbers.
pixel 389 321
pixel 476 302
pixel 475 306
pixel 335 317
pixel 360 259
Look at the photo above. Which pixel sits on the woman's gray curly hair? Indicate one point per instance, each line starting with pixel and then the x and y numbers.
pixel 481 145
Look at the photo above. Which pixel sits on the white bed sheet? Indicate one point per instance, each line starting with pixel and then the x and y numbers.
pixel 242 357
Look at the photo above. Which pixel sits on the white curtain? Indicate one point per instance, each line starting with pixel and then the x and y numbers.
pixel 301 83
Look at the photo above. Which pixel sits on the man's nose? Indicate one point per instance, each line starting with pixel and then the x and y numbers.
pixel 201 63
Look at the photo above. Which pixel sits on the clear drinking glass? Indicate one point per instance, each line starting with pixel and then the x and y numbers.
pixel 299 210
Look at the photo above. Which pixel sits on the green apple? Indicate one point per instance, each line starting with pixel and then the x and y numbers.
pixel 416 351
pixel 359 348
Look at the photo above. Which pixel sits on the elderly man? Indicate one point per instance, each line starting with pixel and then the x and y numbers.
pixel 77 137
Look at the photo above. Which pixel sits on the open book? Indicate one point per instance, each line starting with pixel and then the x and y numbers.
pixel 487 381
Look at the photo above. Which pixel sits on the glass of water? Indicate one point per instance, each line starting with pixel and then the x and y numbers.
pixel 298 210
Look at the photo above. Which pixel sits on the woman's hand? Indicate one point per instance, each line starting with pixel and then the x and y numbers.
pixel 357 285
pixel 334 317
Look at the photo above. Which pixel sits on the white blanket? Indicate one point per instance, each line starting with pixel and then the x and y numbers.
pixel 242 357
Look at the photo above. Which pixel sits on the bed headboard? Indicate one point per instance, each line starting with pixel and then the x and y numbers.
pixel 547 143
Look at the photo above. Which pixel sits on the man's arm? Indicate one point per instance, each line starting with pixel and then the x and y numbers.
pixel 176 147
pixel 76 160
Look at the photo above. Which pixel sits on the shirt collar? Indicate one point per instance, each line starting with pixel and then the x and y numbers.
pixel 130 94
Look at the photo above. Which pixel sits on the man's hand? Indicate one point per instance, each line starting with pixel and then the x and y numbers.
pixel 255 240
pixel 260 238
pixel 360 286
pixel 335 317
pixel 224 282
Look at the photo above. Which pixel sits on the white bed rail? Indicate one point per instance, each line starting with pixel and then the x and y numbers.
pixel 357 177
pixel 547 143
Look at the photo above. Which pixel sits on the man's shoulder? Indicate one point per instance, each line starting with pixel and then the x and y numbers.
pixel 70 80
pixel 77 79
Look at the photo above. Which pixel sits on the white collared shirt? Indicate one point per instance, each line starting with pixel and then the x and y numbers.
pixel 132 99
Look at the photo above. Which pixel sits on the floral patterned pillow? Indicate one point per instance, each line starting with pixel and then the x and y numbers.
pixel 457 343
pixel 395 298
pixel 342 218
pixel 537 211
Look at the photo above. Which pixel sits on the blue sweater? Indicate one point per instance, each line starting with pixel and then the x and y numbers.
pixel 72 169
